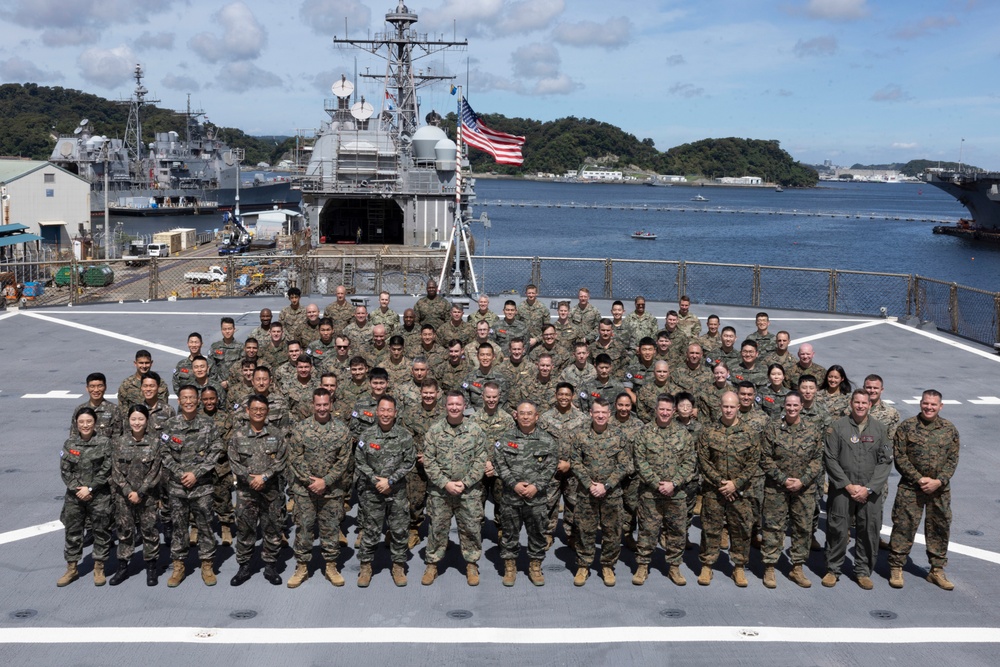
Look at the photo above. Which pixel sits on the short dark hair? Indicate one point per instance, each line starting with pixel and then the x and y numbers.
pixel 97 377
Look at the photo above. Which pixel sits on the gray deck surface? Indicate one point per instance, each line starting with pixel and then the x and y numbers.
pixel 44 352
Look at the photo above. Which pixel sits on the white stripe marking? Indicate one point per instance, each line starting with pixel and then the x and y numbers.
pixel 947 401
pixel 30 531
pixel 941 339
pixel 985 400
pixel 8 314
pixel 405 635
pixel 835 332
pixel 953 547
pixel 110 334
pixel 87 311
pixel 55 393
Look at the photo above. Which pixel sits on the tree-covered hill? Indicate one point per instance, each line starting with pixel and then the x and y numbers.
pixel 714 158
pixel 916 167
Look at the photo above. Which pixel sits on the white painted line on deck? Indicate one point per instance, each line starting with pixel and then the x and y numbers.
pixel 87 311
pixel 30 531
pixel 55 393
pixel 954 548
pixel 835 332
pixel 916 401
pixel 110 334
pixel 985 400
pixel 9 314
pixel 992 356
pixel 560 636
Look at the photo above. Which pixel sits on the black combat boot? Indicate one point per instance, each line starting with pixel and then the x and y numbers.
pixel 120 575
pixel 151 576
pixel 271 574
pixel 242 575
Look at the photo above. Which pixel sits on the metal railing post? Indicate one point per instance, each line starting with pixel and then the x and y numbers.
pixel 918 306
pixel 681 278
pixel 996 315
pixel 378 273
pixel 608 278
pixel 755 289
pixel 154 276
pixel 74 281
pixel 831 297
pixel 230 276
pixel 910 295
pixel 953 306
pixel 536 272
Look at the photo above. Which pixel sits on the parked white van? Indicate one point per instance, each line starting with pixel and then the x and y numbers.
pixel 158 250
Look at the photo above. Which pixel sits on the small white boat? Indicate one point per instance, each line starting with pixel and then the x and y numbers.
pixel 643 235
pixel 778 188
pixel 699 198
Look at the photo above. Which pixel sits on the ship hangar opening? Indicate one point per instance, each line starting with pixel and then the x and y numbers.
pixel 372 221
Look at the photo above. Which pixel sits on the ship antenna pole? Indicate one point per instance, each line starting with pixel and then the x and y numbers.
pixel 455 243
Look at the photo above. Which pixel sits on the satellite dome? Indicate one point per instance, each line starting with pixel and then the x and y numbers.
pixel 424 141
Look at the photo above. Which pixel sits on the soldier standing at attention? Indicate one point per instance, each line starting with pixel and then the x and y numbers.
pixel 190 448
pixel 729 458
pixel 858 456
pixel 926 451
pixel 483 314
pixel 561 422
pixel 639 324
pixel 600 461
pixel 764 339
pixel 432 309
pixel 455 460
pixel 261 332
pixel 585 317
pixel 687 322
pixel 886 414
pixel 385 455
pixel 129 392
pixel 293 316
pixel 525 461
pixel 384 315
pixel 534 313
pixel 224 353
pixel 792 461
pixel 182 371
pixel 418 418
pixel 108 418
pixel 319 456
pixel 340 311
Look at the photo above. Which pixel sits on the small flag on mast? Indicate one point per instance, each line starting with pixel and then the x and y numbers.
pixel 505 148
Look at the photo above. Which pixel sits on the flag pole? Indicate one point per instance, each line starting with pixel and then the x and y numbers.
pixel 456 238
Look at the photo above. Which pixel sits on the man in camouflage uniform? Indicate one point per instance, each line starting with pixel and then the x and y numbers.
pixel 606 343
pixel 540 387
pixel 534 313
pixel 320 449
pixel 343 357
pixel 550 345
pixel 324 347
pixel 109 422
pixel 639 369
pixel 299 390
pixel 625 419
pixel 360 329
pixel 250 352
pixel 258 455
pixel 687 322
pixel 376 351
pixel 293 316
pixel 338 408
pixel 510 327
pixel 710 341
pixel 599 461
pixel 384 456
pixel 561 422
pixel 926 451
pixel 222 491
pixel 202 379
pixel 225 352
pixel 433 308
pixel 452 371
pixel 455 460
pixel 159 409
pixel 525 460
pixel 309 330
pixel 483 336
pixel 129 393
pixel 408 393
pixel 764 339
pixel 728 457
pixel 410 331
pixel 261 331
pixel 278 414
pixel 417 419
pixel 428 347
pixel 884 413
pixel 804 366
pixel 340 311
pixel 649 393
pixel 601 386
pixel 639 324
pixel 748 369
pixel 727 352
pixel 384 315
pixel 285 372
pixel 273 348
pixel 495 422
pixel 190 450
pixel 585 317
pixel 780 354
pixel 693 376
pixel 665 463
pixel 456 327
pixel 397 364
pixel 483 314
pixel 356 386
pixel 565 329
pixel 792 462
pixel 182 371
pixel 474 382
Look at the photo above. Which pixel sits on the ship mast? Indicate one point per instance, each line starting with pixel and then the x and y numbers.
pixel 133 130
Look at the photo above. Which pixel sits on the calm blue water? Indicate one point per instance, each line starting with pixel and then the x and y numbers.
pixel 709 235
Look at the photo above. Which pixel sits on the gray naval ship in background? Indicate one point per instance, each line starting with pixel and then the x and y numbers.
pixel 172 175
pixel 979 192
pixel 383 177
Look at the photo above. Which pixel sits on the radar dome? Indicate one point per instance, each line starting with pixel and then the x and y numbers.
pixel 424 141
pixel 445 155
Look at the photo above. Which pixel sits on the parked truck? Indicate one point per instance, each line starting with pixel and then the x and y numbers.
pixel 215 274
pixel 136 255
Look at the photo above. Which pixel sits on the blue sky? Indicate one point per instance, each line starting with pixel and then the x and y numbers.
pixel 842 80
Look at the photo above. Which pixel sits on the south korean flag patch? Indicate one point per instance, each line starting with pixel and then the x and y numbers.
pixel 361 444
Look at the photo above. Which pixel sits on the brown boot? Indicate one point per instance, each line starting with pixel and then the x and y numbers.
pixel 71 575
pixel 582 574
pixel 178 574
pixel 333 574
pixel 430 574
pixel 509 572
pixel 938 578
pixel 548 542
pixel 193 537
pixel 740 576
pixel 357 539
pixel 342 538
pixel 705 578
pixel 414 538
pixel 227 535
pixel 300 575
pixel 399 574
pixel 608 575
pixel 472 574
pixel 365 575
pixel 866 583
pixel 896 577
pixel 724 541
pixel 769 580
pixel 697 505
pixel 641 574
pixel 829 580
pixel 535 575
pixel 799 577
pixel 99 578
pixel 674 573
pixel 207 573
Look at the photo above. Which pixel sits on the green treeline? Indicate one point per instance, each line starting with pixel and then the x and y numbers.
pixel 916 167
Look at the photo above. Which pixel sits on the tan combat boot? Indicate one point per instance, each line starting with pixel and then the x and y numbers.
pixel 549 540
pixel 705 578
pixel 472 574
pixel 866 583
pixel 608 575
pixel 177 575
pixel 769 580
pixel 399 574
pixel 896 577
pixel 430 574
pixel 333 575
pixel 938 578
pixel 227 535
pixel 299 576
pixel 674 573
pixel 71 575
pixel 357 540
pixel 342 538
pixel 739 576
pixel 799 577
pixel 414 538
pixel 641 574
pixel 697 505
pixel 99 578
pixel 193 537
pixel 582 574
pixel 509 572
pixel 365 575
pixel 535 575
pixel 829 580
pixel 207 573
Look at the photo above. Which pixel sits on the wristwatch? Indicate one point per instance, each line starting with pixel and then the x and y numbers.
pixel 870 492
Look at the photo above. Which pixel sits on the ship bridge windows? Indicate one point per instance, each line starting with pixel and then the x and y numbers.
pixel 376 221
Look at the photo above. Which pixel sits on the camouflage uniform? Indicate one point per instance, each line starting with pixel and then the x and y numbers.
pixel 135 467
pixel 709 401
pixel 471 352
pixel 418 420
pixel 455 453
pixel 772 402
pixel 515 375
pixel 494 426
pixel 359 336
pixel 505 331
pixel 663 454
pixel 109 419
pixel 790 451
pixel 323 450
pixel 585 322
pixel 635 374
pixel 766 343
pixel 464 332
pixel 793 374
pixel 786 360
pixel 184 374
pixel 689 325
pixel 710 346
pixel 86 463
pixel 258 453
pixel 191 446
pixel 601 458
pixel 591 389
pixel 630 484
pixel 352 392
pixel 476 317
pixel 923 449
pixel 647 395
pixel 561 427
pixel 221 356
pixel 727 453
pixel 638 327
pixel 322 352
pixel 129 393
pixel 401 372
pixel 692 381
pixel 390 454
pixel 300 397
pixel 533 389
pixel 272 355
pixel 389 319
pixel 476 381
pixel 451 376
pixel 560 357
pixel 222 493
pixel 536 316
pixel 341 314
pixel 757 374
pixel 376 357
pixel 886 414
pixel 432 311
pixel 838 405
pixel 565 335
pixel 530 458
pixel 293 319
pixel 278 413
pixel 614 349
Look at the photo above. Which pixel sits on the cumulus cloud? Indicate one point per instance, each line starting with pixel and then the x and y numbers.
pixel 159 40
pixel 241 36
pixel 837 10
pixel 107 67
pixel 57 37
pixel 529 16
pixel 326 17
pixel 676 60
pixel 536 61
pixel 25 71
pixel 487 81
pixel 561 84
pixel 475 16
pixel 926 26
pixel 817 46
pixel 908 145
pixel 688 90
pixel 184 84
pixel 890 93
pixel 50 14
pixel 612 34
pixel 242 76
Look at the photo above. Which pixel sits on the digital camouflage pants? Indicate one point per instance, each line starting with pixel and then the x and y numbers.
pixel 96 513
pixel 322 514
pixel 515 514
pixel 591 513
pixel 141 517
pixel 467 509
pixel 716 513
pixel 783 509
pixel 258 508
pixel 198 508
pixel 907 509
pixel 659 513
pixel 376 511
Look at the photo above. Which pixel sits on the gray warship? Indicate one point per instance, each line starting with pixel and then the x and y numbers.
pixel 979 192
pixel 172 175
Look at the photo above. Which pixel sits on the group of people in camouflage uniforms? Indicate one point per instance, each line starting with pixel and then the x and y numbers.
pixel 623 427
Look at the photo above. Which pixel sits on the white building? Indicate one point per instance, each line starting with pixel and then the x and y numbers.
pixel 601 175
pixel 50 201
pixel 741 180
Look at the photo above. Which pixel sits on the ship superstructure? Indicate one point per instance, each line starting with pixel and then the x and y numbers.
pixel 979 192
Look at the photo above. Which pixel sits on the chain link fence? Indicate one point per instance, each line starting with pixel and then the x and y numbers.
pixel 724 284
pixel 862 293
pixel 634 277
pixel 783 287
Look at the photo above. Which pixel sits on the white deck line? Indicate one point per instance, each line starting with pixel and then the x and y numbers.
pixel 110 334
pixel 992 356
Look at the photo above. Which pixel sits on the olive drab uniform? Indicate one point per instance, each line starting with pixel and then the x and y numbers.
pixel 389 319
pixel 585 322
pixel 432 311
pixel 135 467
pixel 263 453
pixel 392 455
pixel 341 314
pixel 86 463
pixel 599 458
pixel 564 486
pixel 504 332
pixel 129 393
pixel 531 458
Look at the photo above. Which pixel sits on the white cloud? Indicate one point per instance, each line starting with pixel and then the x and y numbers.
pixel 159 40
pixel 474 16
pixel 49 14
pixel 184 84
pixel 243 76
pixel 890 93
pixel 57 37
pixel 837 10
pixel 908 145
pixel 560 84
pixel 535 61
pixel 24 71
pixel 242 36
pixel 321 81
pixel 107 67
pixel 327 17
pixel 926 26
pixel 612 34
pixel 529 16
pixel 817 46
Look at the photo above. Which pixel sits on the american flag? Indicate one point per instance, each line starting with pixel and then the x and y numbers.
pixel 505 148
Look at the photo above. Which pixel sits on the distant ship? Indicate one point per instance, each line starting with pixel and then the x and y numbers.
pixel 979 192
pixel 172 175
